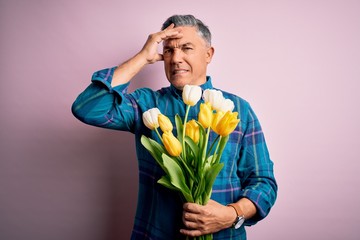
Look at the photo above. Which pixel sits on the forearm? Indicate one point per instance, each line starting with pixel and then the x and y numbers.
pixel 126 71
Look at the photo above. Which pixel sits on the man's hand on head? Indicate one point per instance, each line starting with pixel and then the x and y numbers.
pixel 150 49
pixel 148 54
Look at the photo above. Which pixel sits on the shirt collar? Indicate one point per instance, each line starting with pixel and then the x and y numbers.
pixel 206 85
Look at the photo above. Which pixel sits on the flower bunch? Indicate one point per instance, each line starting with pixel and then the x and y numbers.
pixel 190 164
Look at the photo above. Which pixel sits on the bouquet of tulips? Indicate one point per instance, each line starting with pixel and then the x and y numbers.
pixel 191 164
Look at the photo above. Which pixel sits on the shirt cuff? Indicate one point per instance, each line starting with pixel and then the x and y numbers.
pixel 105 76
pixel 261 203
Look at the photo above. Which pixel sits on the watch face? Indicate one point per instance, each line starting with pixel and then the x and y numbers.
pixel 239 222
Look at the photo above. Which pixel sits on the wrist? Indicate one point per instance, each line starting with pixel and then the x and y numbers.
pixel 231 216
pixel 239 215
pixel 141 58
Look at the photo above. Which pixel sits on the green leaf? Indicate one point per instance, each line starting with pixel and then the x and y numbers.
pixel 202 136
pixel 194 148
pixel 189 170
pixel 179 127
pixel 209 160
pixel 165 181
pixel 210 176
pixel 176 176
pixel 156 150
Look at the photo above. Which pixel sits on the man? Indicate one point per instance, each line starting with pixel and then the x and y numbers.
pixel 246 180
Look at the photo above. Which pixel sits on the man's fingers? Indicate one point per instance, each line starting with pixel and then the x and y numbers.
pixel 192 207
pixel 191 233
pixel 150 48
pixel 170 32
pixel 190 217
pixel 170 27
pixel 191 225
pixel 160 57
pixel 161 36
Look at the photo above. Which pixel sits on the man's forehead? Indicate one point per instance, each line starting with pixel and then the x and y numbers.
pixel 177 42
pixel 190 35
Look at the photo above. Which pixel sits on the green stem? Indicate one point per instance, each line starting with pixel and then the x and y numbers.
pixel 208 236
pixel 204 156
pixel 212 145
pixel 184 128
pixel 157 132
pixel 216 150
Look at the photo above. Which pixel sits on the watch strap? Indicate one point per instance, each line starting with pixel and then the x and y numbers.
pixel 238 211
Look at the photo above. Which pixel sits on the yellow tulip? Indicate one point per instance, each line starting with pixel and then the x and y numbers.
pixel 165 123
pixel 172 144
pixel 227 124
pixel 216 119
pixel 205 115
pixel 192 130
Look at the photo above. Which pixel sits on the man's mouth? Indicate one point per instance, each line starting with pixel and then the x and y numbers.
pixel 179 71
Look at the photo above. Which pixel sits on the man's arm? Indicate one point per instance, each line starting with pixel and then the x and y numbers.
pixel 147 55
pixel 99 104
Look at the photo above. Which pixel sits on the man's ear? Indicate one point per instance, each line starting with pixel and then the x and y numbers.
pixel 209 54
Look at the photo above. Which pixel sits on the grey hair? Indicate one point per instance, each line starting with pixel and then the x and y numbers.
pixel 189 20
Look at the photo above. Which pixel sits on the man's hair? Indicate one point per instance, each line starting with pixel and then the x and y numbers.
pixel 189 20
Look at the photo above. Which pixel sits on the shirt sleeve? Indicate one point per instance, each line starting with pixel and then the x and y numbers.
pixel 105 106
pixel 256 168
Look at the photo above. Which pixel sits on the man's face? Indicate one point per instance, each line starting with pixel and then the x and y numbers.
pixel 186 58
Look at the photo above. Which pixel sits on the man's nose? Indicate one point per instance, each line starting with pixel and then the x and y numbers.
pixel 176 56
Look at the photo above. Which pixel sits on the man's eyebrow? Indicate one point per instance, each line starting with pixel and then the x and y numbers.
pixel 187 44
pixel 181 45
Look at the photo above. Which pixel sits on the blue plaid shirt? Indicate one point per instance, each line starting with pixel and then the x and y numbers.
pixel 247 172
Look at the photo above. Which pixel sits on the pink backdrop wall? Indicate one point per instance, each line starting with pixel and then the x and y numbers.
pixel 297 63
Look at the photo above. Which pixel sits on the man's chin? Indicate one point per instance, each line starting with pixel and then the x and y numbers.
pixel 178 84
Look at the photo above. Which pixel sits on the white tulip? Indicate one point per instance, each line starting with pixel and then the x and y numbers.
pixel 227 105
pixel 150 118
pixel 214 97
pixel 191 94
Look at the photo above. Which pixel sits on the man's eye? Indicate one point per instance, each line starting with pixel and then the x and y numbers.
pixel 187 48
pixel 167 51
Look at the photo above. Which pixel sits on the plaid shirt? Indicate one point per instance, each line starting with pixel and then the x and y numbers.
pixel 247 172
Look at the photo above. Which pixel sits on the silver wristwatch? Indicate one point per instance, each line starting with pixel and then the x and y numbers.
pixel 240 219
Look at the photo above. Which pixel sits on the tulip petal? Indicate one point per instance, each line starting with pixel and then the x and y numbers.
pixel 164 123
pixel 172 144
pixel 191 94
pixel 150 118
pixel 214 97
pixel 227 105
pixel 205 114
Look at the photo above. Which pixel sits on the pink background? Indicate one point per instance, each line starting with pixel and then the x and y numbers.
pixel 297 63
